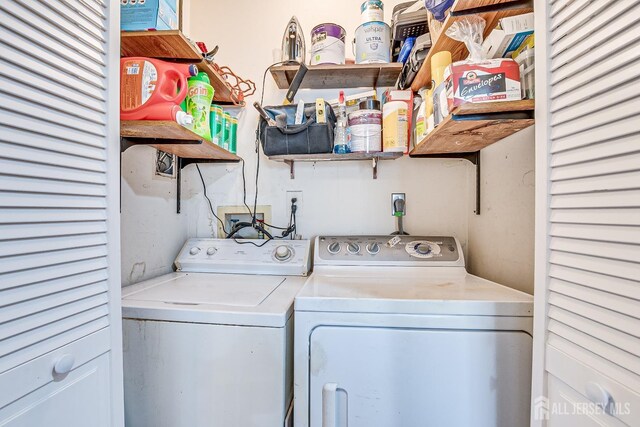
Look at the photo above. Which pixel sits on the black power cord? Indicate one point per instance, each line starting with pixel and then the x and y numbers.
pixel 290 230
pixel 204 190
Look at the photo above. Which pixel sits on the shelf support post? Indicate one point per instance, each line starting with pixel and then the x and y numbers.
pixel 477 163
pixel 178 183
pixel 292 173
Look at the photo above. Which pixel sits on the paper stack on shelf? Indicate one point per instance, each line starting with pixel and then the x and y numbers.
pixel 508 36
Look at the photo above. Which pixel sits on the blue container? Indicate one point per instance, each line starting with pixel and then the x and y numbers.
pixel 148 15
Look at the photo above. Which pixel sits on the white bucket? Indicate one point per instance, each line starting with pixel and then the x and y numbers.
pixel 373 43
pixel 327 44
pixel 371 10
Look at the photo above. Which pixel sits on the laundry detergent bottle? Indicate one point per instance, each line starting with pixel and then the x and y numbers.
pixel 199 98
pixel 151 89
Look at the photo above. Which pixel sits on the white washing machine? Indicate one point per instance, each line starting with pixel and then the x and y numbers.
pixel 395 332
pixel 212 344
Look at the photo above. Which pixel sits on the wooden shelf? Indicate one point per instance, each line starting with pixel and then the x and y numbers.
pixel 330 76
pixel 170 137
pixel 290 159
pixel 172 45
pixel 471 127
pixel 490 10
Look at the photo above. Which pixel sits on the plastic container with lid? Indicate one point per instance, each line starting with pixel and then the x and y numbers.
pixel 526 62
pixel 151 89
pixel 395 125
pixel 365 128
pixel 233 135
pixel 226 131
pixel 215 120
pixel 199 97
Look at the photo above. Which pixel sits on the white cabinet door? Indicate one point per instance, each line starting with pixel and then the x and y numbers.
pixel 587 294
pixel 381 377
pixel 59 220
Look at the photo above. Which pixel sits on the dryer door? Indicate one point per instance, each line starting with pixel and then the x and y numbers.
pixel 380 377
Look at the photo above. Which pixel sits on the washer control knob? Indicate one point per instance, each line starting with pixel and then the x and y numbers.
pixel 211 250
pixel 423 248
pixel 194 250
pixel 334 248
pixel 353 248
pixel 283 253
pixel 373 248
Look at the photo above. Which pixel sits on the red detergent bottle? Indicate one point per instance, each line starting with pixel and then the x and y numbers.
pixel 151 89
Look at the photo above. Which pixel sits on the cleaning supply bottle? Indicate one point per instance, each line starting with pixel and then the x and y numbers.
pixel 425 111
pixel 340 135
pixel 199 98
pixel 151 89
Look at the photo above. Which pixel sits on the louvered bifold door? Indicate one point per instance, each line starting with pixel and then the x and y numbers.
pixel 58 188
pixel 593 225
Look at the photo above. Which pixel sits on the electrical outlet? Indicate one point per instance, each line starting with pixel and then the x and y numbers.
pixel 294 195
pixel 398 196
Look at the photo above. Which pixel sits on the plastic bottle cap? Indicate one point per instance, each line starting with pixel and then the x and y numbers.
pixel 184 119
pixel 203 77
pixel 193 69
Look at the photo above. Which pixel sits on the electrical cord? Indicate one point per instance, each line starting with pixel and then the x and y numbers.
pixel 204 189
pixel 290 230
pixel 287 231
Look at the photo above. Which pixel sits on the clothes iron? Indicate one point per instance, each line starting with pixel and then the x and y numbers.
pixel 293 47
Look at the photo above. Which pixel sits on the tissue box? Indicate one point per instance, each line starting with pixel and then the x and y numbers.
pixel 136 15
pixel 487 81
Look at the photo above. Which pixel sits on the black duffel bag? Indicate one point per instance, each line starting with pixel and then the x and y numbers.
pixel 288 138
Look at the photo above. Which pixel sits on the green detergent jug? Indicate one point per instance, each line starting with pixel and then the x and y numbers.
pixel 199 98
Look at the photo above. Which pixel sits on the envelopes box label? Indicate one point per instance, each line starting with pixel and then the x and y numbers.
pixel 486 81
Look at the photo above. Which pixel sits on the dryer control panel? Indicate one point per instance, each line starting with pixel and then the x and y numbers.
pixel 388 250
pixel 245 256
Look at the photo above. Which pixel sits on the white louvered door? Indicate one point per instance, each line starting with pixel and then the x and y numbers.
pixel 587 332
pixel 60 327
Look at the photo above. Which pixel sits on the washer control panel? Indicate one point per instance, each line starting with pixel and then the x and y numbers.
pixel 280 257
pixel 386 249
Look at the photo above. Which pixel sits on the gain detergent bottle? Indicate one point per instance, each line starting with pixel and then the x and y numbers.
pixel 199 98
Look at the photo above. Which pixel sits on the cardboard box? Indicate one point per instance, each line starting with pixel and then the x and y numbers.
pixel 508 36
pixel 406 96
pixel 487 81
pixel 140 15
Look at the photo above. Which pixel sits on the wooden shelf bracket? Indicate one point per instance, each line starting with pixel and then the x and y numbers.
pixel 473 157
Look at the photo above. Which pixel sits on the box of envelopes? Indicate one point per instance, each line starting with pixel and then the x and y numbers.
pixel 486 81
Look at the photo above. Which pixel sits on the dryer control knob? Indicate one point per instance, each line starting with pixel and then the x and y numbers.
pixel 353 248
pixel 211 250
pixel 373 248
pixel 423 248
pixel 334 248
pixel 194 250
pixel 283 253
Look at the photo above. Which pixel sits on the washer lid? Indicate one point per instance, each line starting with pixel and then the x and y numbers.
pixel 230 299
pixel 393 290
pixel 232 290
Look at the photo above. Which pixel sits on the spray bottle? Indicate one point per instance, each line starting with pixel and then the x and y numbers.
pixel 340 135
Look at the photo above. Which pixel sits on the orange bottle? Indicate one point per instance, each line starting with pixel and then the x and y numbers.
pixel 151 89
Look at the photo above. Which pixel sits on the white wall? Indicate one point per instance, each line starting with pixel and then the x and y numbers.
pixel 501 238
pixel 151 231
pixel 337 197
